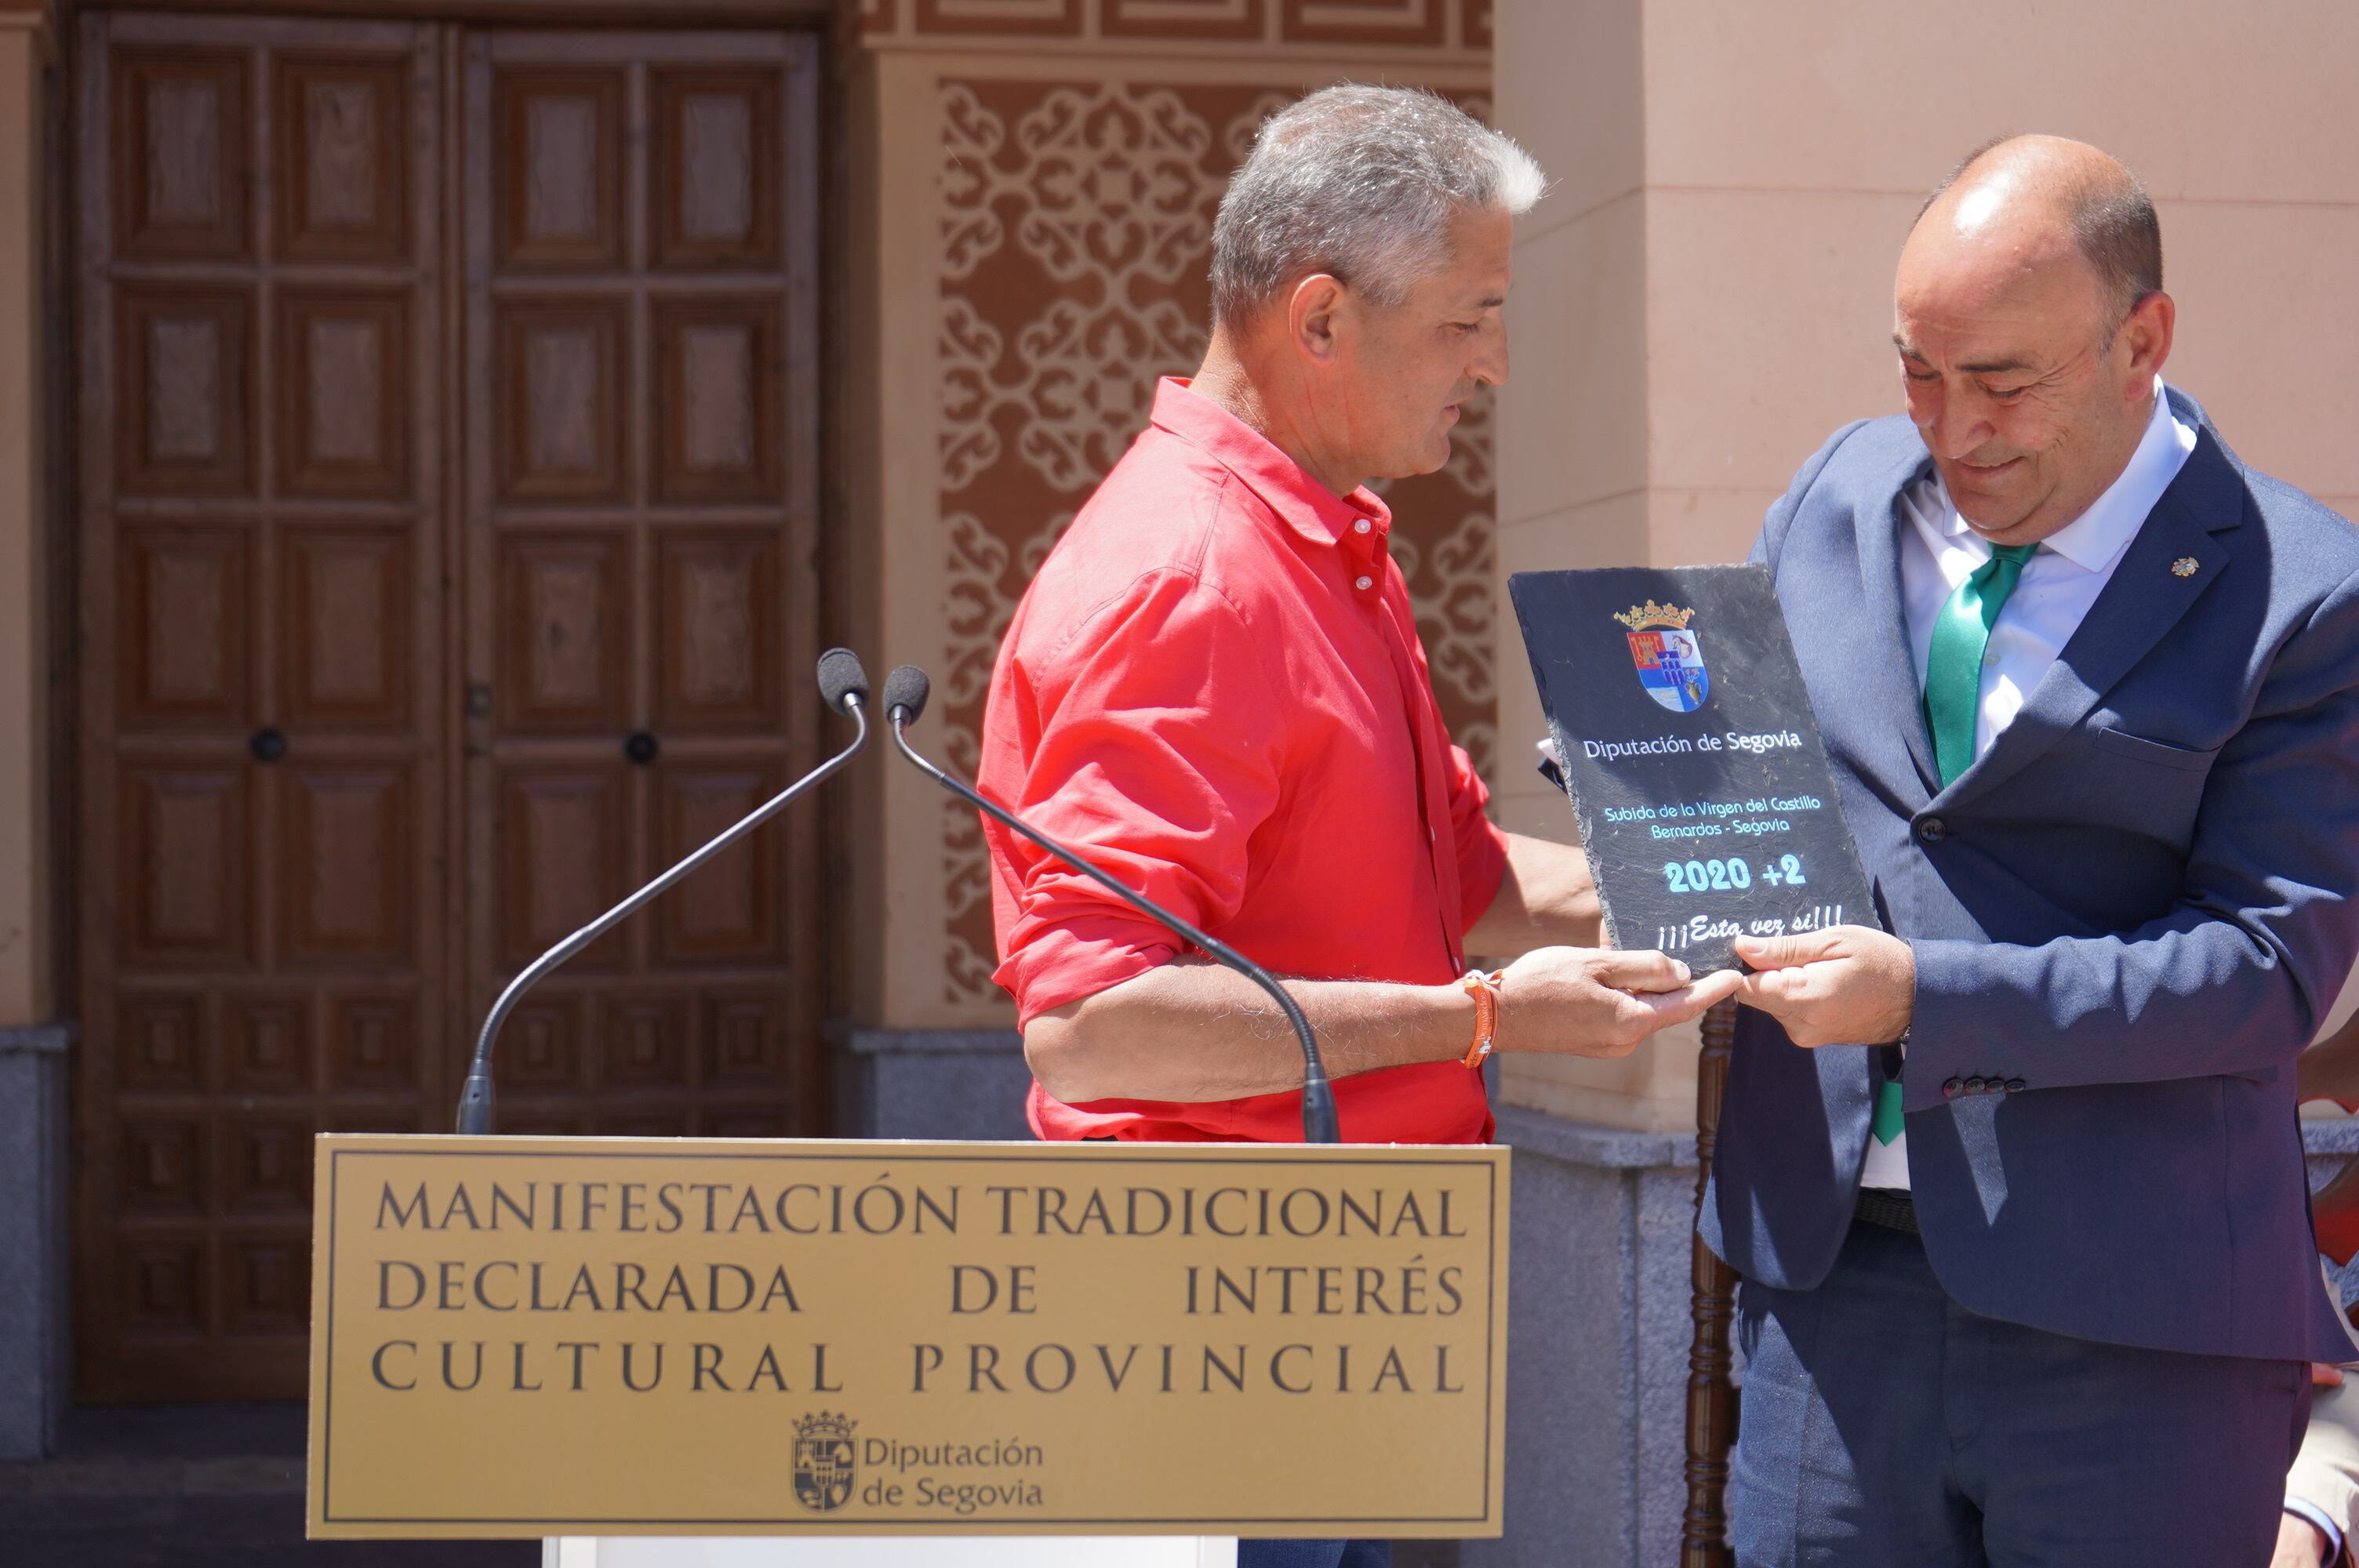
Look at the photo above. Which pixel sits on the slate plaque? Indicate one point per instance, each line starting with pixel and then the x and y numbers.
pixel 1692 757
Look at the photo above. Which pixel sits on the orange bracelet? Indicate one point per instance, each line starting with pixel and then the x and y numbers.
pixel 1484 989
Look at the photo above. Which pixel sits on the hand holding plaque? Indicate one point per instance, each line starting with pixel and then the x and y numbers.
pixel 1692 755
pixel 1847 985
pixel 1582 1002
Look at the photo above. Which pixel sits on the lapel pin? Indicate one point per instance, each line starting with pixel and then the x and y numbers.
pixel 2185 565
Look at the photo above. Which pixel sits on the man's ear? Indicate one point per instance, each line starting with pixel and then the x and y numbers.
pixel 2147 334
pixel 1311 316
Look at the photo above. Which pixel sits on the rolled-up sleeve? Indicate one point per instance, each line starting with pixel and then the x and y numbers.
pixel 2322 1487
pixel 1157 751
pixel 1481 846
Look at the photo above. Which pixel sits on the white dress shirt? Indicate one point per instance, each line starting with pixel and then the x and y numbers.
pixel 1939 550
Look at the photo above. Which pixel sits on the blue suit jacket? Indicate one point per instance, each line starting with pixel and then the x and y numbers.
pixel 2129 916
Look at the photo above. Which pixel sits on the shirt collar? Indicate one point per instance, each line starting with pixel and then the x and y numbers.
pixel 2096 538
pixel 1310 508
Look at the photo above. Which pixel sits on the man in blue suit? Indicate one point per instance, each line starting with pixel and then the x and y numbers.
pixel 2016 1189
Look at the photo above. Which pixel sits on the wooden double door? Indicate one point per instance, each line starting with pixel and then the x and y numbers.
pixel 447 516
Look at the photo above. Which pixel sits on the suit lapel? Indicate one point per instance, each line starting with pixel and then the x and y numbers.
pixel 1889 676
pixel 2144 599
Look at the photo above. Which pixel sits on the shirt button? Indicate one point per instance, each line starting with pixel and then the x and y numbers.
pixel 1364 584
pixel 1362 526
pixel 1991 659
pixel 1931 831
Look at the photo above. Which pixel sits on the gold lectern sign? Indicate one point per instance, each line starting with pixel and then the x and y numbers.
pixel 531 1336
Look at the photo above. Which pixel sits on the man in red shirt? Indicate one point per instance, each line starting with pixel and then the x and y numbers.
pixel 1215 689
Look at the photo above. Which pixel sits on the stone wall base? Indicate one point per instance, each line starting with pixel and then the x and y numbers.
pixel 930 1083
pixel 1597 1345
pixel 35 1359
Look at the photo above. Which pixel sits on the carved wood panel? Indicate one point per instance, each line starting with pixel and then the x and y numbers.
pixel 186 898
pixel 720 363
pixel 185 389
pixel 263 765
pixel 1416 35
pixel 561 851
pixel 342 426
pixel 717 659
pixel 716 168
pixel 180 146
pixel 564 631
pixel 343 128
pixel 641 257
pixel 347 874
pixel 734 918
pixel 557 400
pixel 183 657
pixel 346 625
pixel 557 170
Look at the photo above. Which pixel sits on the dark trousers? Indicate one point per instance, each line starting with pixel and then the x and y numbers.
pixel 1884 1426
pixel 1314 1553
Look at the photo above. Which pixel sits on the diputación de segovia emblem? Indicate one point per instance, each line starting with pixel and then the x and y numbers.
pixel 1669 659
pixel 824 1462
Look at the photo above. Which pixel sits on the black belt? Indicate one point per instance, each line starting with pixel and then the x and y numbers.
pixel 1886 1206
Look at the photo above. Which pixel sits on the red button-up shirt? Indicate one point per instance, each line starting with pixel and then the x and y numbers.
pixel 1215 689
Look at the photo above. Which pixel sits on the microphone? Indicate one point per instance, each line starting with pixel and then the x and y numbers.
pixel 844 686
pixel 841 681
pixel 906 690
pixel 904 700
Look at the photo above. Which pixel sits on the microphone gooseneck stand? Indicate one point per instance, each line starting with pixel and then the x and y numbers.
pixel 844 686
pixel 906 690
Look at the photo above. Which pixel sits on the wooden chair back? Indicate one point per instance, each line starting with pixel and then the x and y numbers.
pixel 1712 1396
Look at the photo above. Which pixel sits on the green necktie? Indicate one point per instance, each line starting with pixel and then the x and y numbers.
pixel 1888 1121
pixel 1953 664
pixel 1953 696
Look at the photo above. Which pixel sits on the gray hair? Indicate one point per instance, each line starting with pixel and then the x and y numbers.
pixel 1360 182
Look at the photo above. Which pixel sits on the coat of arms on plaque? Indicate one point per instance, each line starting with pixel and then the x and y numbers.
pixel 1669 659
pixel 825 1464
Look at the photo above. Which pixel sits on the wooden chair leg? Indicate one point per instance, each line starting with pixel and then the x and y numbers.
pixel 1712 1397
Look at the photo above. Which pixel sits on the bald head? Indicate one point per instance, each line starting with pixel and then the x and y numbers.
pixel 2031 323
pixel 2052 192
